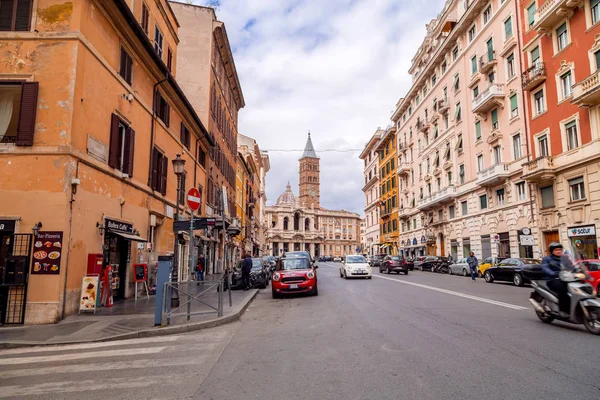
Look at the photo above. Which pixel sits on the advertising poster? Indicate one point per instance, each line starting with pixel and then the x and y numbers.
pixel 47 253
pixel 89 293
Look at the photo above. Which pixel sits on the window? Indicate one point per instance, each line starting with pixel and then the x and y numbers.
pixel 497 154
pixel 494 119
pixel 517 146
pixel 461 173
pixel 490 50
pixel 531 14
pixel 464 207
pixel 538 98
pixel 483 201
pixel 566 81
pixel 491 77
pixel 181 192
pixel 414 223
pixel 521 191
pixel 475 92
pixel 597 57
pixel 472 33
pixel 145 18
pixel 572 138
pixel 162 109
pixel 15 15
pixel 595 10
pixel 508 28
pixel 477 130
pixel 543 146
pixel 19 106
pixel 126 66
pixel 184 136
pixel 158 41
pixel 473 64
pixel 451 212
pixel 547 194
pixel 487 14
pixel 510 65
pixel 480 165
pixel 457 115
pixel 459 143
pixel 514 107
pixel 449 177
pixel 500 197
pixel 433 80
pixel 561 37
pixel 456 84
pixel 454 53
pixel 535 55
pixel 158 178
pixel 577 189
pixel 202 157
pixel 169 59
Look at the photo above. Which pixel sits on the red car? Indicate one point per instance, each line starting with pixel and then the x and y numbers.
pixel 593 268
pixel 294 275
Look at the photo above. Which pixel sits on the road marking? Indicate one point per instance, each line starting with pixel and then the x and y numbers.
pixel 81 356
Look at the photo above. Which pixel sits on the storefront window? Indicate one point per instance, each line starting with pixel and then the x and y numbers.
pixel 584 245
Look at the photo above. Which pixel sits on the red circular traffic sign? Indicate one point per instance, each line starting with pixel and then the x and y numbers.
pixel 193 199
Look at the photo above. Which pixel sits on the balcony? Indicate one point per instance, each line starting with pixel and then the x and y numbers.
pixel 587 92
pixel 427 177
pixel 487 62
pixel 443 196
pixel 447 164
pixel 403 168
pixel 422 125
pixel 443 106
pixel 437 171
pixel 493 175
pixel 489 99
pixel 534 76
pixel 405 212
pixel 552 12
pixel 539 170
pixel 434 117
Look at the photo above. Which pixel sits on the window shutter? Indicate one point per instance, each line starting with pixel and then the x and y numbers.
pixel 182 134
pixel 129 150
pixel 164 161
pixel 167 119
pixel 6 13
pixel 157 99
pixel 23 15
pixel 26 129
pixel 123 66
pixel 153 181
pixel 114 145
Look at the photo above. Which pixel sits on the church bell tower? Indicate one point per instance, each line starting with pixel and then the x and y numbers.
pixel 310 183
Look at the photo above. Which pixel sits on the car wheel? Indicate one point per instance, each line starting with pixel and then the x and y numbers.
pixel 398 272
pixel 488 277
pixel 369 277
pixel 406 272
pixel 341 275
pixel 449 271
pixel 315 291
pixel 421 268
pixel 464 272
pixel 479 274
pixel 518 279
pixel 275 295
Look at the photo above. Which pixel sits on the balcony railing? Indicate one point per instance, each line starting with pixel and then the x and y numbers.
pixel 403 168
pixel 587 92
pixel 422 125
pixel 534 76
pixel 443 106
pixel 493 175
pixel 445 195
pixel 487 61
pixel 553 12
pixel 539 170
pixel 489 99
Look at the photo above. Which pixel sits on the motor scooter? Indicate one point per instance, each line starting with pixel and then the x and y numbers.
pixel 585 307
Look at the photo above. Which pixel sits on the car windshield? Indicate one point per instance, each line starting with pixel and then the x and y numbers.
pixel 395 258
pixel 355 260
pixel 531 261
pixel 295 263
pixel 256 264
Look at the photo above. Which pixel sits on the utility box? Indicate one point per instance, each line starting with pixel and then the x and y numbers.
pixel 95 263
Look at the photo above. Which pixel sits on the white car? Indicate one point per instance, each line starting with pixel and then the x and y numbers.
pixel 355 266
pixel 337 259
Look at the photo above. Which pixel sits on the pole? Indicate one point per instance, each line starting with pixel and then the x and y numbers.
pixel 192 246
pixel 175 273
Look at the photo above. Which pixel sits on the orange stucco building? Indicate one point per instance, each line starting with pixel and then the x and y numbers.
pixel 91 116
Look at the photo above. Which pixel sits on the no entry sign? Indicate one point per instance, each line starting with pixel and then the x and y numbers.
pixel 193 199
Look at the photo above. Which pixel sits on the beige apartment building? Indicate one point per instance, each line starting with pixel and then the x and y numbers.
pixel 461 138
pixel 370 158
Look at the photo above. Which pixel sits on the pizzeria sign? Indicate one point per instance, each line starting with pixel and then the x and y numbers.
pixel 582 231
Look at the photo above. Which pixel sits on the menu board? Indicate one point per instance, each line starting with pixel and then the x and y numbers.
pixel 89 293
pixel 141 274
pixel 47 253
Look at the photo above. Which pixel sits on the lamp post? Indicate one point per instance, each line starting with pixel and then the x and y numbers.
pixel 178 165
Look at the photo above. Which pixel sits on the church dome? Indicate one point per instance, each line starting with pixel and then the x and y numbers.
pixel 287 197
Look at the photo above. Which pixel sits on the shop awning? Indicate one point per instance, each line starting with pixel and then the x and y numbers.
pixel 128 236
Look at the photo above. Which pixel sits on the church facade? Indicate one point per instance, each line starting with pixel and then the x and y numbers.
pixel 297 223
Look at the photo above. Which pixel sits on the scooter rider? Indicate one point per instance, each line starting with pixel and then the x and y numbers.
pixel 552 265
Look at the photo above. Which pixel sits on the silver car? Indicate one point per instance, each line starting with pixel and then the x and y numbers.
pixel 460 267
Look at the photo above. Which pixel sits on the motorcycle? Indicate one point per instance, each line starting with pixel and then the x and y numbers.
pixel 585 307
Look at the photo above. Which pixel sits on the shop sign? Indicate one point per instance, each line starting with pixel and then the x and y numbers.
pixel 526 240
pixel 97 149
pixel 47 252
pixel 118 226
pixel 423 240
pixel 141 272
pixel 582 231
pixel 89 293
pixel 415 242
pixel 7 225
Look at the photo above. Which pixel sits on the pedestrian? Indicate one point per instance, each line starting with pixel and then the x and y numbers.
pixel 450 258
pixel 246 268
pixel 200 268
pixel 473 264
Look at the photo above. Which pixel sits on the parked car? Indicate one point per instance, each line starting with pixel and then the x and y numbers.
pixel 516 270
pixel 487 263
pixel 337 259
pixel 592 267
pixel 417 261
pixel 377 260
pixel 355 265
pixel 395 264
pixel 460 267
pixel 431 263
pixel 369 259
pixel 294 275
pixel 259 274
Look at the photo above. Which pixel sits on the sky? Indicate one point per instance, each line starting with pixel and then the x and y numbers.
pixel 335 68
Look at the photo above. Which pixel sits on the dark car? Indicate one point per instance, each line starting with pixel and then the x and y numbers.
pixel 516 270
pixel 259 274
pixel 377 260
pixel 434 264
pixel 395 264
pixel 417 261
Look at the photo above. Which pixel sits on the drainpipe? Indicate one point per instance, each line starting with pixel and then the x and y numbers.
pixel 71 201
pixel 152 127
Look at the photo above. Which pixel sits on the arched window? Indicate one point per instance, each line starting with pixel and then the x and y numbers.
pixel 296 222
pixel 307 224
pixel 286 223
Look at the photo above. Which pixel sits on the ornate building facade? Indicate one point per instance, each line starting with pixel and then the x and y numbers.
pixel 299 223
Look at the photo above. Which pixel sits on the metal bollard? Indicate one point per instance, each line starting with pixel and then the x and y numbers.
pixel 220 305
pixel 229 283
pixel 166 296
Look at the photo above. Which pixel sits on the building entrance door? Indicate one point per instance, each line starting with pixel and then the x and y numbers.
pixel 550 237
pixel 15 253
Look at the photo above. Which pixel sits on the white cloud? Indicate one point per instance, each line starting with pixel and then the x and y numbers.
pixel 336 68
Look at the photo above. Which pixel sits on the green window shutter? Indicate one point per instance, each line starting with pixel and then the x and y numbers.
pixel 508 27
pixel 531 14
pixel 561 29
pixel 535 54
pixel 494 116
pixel 478 130
pixel 457 115
pixel 513 100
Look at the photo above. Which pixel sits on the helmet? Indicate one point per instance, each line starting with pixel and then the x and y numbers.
pixel 554 246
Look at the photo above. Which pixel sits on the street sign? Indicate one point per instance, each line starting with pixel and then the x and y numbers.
pixel 199 223
pixel 193 199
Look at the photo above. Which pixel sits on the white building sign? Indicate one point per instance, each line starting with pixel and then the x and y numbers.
pixel 582 231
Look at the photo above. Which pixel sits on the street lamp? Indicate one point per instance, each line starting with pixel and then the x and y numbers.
pixel 178 165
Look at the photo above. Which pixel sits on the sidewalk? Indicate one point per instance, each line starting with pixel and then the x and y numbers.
pixel 127 319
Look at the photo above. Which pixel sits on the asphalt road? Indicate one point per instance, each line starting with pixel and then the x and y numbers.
pixel 421 336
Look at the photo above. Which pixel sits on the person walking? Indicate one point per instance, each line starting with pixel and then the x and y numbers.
pixel 246 268
pixel 200 268
pixel 473 264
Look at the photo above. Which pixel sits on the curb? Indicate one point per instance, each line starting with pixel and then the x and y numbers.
pixel 146 333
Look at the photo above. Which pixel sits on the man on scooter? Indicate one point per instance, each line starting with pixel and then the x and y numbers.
pixel 552 265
